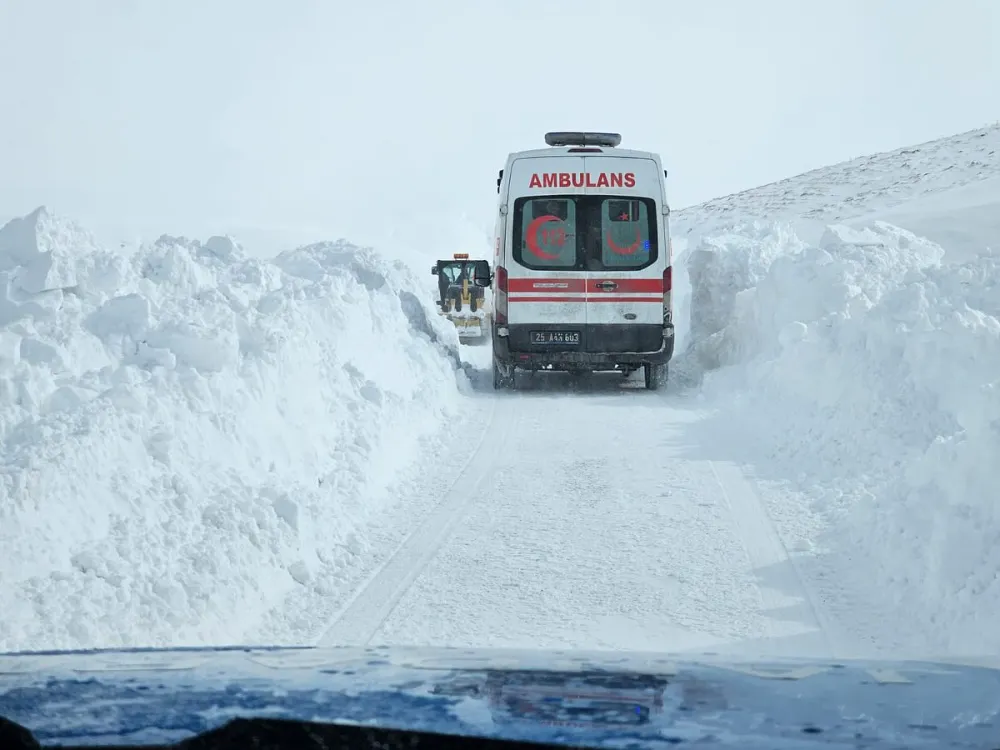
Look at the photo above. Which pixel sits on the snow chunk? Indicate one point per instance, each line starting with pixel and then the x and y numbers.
pixel 127 315
pixel 179 425
pixel 721 269
pixel 225 248
pixel 49 253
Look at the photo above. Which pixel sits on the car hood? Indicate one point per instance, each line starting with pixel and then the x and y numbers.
pixel 598 699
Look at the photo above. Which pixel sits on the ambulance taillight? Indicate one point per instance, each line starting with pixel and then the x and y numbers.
pixel 500 298
pixel 668 283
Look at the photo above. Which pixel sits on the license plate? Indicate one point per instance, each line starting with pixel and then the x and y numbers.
pixel 555 337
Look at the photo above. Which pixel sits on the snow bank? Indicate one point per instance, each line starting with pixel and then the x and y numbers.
pixel 189 434
pixel 870 375
pixel 964 220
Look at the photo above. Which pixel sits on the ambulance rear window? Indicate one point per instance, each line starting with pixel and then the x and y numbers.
pixel 546 233
pixel 625 233
pixel 585 233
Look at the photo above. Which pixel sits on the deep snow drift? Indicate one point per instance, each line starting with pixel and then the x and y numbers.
pixel 865 375
pixel 857 367
pixel 178 422
pixel 947 190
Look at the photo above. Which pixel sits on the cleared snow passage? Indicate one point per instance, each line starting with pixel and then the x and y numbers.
pixel 594 521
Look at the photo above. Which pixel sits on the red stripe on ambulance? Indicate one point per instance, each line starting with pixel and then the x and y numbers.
pixel 579 285
pixel 541 298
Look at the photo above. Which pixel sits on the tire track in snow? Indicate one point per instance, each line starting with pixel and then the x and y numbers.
pixel 568 534
pixel 766 552
pixel 607 528
pixel 376 598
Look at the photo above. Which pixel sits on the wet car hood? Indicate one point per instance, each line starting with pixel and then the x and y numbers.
pixel 598 699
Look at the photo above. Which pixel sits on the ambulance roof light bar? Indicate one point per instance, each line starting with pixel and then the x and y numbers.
pixel 578 138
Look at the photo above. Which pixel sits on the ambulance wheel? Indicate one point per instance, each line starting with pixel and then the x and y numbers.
pixel 503 376
pixel 654 375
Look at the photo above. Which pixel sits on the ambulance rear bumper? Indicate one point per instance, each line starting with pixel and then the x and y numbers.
pixel 565 357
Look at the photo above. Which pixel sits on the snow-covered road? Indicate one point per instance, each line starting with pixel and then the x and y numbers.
pixel 588 517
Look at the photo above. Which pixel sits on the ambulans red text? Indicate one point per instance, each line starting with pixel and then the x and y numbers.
pixel 582 179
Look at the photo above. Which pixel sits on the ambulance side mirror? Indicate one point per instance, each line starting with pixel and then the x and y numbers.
pixel 481 275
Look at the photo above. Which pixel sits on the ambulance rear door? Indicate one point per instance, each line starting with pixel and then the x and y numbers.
pixel 625 253
pixel 546 286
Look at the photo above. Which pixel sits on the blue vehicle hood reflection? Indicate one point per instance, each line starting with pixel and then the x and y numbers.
pixel 599 699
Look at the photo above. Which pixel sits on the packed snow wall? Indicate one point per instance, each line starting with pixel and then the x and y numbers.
pixel 188 434
pixel 864 374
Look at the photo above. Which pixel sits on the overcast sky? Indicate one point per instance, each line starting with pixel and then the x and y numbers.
pixel 385 121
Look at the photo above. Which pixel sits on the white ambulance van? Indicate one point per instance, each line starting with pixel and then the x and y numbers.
pixel 581 273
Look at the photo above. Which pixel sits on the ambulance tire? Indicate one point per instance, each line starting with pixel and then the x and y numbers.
pixel 502 380
pixel 654 375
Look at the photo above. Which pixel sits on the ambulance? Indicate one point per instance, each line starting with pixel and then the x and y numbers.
pixel 582 264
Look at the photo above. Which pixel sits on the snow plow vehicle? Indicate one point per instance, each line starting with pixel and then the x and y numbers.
pixel 461 300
